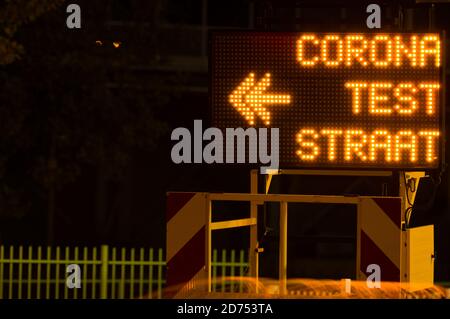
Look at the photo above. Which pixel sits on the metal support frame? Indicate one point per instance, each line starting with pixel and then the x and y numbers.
pixel 283 211
pixel 208 243
pixel 404 192
pixel 254 260
pixel 235 223
pixel 282 270
pixel 322 173
pixel 408 198
pixel 256 199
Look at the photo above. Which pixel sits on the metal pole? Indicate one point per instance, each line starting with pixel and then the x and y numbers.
pixel 104 272
pixel 282 270
pixel 254 228
pixel 208 243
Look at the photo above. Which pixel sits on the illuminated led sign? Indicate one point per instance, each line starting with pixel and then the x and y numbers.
pixel 340 100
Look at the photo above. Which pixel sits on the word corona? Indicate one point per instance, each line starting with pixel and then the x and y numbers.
pixel 380 50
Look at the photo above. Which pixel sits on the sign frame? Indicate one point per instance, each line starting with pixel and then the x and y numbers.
pixel 441 162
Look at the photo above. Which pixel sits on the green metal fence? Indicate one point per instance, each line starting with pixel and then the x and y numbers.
pixel 40 273
pixel 221 269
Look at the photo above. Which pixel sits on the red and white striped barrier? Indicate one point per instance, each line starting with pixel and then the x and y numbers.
pixel 186 247
pixel 379 236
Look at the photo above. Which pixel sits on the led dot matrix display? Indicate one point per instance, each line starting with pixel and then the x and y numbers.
pixel 350 100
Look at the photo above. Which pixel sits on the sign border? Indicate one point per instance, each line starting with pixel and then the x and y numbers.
pixel 440 166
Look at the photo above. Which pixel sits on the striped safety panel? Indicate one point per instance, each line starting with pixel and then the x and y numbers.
pixel 379 235
pixel 186 219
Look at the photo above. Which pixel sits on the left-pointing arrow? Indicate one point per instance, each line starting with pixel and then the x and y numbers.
pixel 249 98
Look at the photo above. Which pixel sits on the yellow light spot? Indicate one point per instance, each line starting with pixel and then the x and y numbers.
pixel 430 145
pixel 410 145
pixel 356 86
pixel 410 52
pixel 409 99
pixel 377 41
pixel 375 144
pixel 308 144
pixel 355 52
pixel 325 48
pixel 430 96
pixel 354 147
pixel 301 48
pixel 249 98
pixel 374 98
pixel 426 50
pixel 331 133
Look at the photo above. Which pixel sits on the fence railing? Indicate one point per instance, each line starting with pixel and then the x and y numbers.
pixel 104 272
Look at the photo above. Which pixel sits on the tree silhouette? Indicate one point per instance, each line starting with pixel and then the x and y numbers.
pixel 71 99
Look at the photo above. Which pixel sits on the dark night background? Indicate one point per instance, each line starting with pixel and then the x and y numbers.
pixel 85 126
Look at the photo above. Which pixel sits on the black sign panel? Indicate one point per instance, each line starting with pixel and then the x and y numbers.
pixel 340 100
